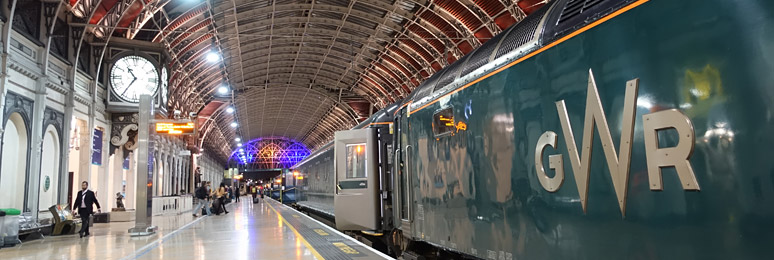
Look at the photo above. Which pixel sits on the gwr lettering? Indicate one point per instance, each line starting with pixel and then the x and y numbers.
pixel 669 156
pixel 555 163
pixel 618 164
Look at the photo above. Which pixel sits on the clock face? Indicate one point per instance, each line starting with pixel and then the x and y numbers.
pixel 164 86
pixel 132 76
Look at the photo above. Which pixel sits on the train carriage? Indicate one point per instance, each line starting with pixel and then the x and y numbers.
pixel 593 129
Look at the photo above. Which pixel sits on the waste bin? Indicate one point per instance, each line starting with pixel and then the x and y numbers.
pixel 10 233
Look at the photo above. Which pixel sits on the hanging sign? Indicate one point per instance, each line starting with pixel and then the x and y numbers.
pixel 175 127
pixel 96 147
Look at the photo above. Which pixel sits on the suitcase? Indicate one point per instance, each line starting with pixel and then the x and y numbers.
pixel 215 207
pixel 256 200
pixel 101 218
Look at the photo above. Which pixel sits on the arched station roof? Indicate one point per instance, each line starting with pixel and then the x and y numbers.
pixel 300 69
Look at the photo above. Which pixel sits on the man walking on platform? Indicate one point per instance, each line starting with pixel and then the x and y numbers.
pixel 84 201
pixel 237 192
pixel 202 195
pixel 254 192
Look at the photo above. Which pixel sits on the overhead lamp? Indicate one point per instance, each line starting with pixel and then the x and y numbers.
pixel 238 139
pixel 230 110
pixel 213 57
pixel 241 149
pixel 222 90
pixel 239 144
pixel 234 124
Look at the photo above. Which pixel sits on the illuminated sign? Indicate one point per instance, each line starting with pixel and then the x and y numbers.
pixel 175 128
pixel 444 124
pixel 462 126
pixel 446 121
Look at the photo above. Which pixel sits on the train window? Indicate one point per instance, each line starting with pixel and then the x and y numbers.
pixel 443 122
pixel 356 157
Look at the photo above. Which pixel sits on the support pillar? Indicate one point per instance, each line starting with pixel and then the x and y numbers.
pixel 36 146
pixel 102 170
pixel 117 177
pixel 131 180
pixel 144 216
pixel 180 174
pixel 84 169
pixel 167 173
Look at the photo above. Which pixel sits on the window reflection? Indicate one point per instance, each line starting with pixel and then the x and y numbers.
pixel 356 161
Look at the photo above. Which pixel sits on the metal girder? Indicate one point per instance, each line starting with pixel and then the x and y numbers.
pixel 258 45
pixel 180 20
pixel 317 7
pixel 108 22
pixel 306 78
pixel 281 54
pixel 332 75
pixel 190 31
pixel 336 66
pixel 386 80
pixel 84 8
pixel 308 104
pixel 149 10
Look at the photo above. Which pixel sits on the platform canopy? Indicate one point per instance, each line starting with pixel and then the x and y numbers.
pixel 300 69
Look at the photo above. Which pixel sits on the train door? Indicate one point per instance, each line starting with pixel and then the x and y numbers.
pixel 356 200
pixel 402 177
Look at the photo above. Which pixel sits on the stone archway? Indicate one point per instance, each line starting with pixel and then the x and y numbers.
pixel 13 175
pixel 49 169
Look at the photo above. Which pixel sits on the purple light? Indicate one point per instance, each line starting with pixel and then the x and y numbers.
pixel 270 153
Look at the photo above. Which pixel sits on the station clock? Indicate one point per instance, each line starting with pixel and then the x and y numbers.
pixel 134 68
pixel 132 76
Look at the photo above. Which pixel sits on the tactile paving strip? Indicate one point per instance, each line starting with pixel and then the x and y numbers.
pixel 330 245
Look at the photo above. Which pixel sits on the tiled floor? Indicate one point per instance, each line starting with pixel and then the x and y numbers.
pixel 250 231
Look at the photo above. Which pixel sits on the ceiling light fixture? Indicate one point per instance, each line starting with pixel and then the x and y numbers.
pixel 222 90
pixel 213 57
pixel 230 110
pixel 237 139
pixel 239 144
pixel 234 124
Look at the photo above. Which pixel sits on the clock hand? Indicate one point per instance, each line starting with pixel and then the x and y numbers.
pixel 132 72
pixel 129 86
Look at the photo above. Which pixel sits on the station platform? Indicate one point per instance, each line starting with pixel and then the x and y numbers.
pixel 266 230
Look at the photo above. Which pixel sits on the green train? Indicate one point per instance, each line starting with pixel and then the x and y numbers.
pixel 593 129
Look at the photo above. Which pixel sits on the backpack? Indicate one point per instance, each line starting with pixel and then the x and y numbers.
pixel 201 193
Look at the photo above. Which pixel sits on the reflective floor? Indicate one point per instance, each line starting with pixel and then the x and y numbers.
pixel 249 231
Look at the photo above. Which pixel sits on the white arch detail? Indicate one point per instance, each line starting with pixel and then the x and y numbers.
pixel 50 169
pixel 13 175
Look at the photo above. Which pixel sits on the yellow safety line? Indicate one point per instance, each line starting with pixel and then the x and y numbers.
pixel 314 251
pixel 536 52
